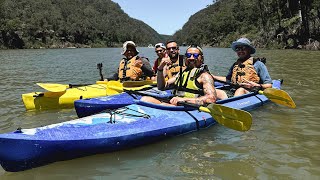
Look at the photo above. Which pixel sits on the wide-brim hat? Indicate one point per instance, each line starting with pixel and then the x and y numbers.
pixel 128 43
pixel 243 42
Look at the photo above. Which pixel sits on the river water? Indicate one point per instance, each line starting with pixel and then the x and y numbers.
pixel 283 143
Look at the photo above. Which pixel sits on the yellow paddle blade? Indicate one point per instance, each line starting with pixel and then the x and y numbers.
pixel 229 117
pixel 53 87
pixel 141 88
pixel 278 96
pixel 138 83
pixel 114 87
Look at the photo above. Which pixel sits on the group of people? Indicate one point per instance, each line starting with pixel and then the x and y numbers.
pixel 188 76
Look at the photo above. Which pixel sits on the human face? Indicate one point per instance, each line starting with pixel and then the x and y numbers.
pixel 194 58
pixel 243 52
pixel 160 52
pixel 173 50
pixel 130 52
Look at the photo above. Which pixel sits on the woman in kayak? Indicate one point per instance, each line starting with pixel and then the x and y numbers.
pixel 194 86
pixel 246 71
pixel 132 67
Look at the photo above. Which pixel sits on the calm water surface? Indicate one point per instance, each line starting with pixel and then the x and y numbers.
pixel 283 143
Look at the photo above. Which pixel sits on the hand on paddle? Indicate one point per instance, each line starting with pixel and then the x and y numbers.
pixel 249 84
pixel 176 100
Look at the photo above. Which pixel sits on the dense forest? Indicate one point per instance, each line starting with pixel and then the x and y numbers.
pixel 102 23
pixel 65 23
pixel 269 23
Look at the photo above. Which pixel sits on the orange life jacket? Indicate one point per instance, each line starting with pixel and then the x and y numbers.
pixel 174 69
pixel 127 70
pixel 244 71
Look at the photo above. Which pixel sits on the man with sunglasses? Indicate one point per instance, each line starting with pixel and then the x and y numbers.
pixel 132 67
pixel 246 71
pixel 194 85
pixel 170 63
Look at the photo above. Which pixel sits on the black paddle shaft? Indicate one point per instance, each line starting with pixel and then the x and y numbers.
pixel 99 66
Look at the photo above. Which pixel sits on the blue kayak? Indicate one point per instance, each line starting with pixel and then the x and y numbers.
pixel 86 107
pixel 121 128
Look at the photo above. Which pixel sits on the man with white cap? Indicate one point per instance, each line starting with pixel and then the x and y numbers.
pixel 132 67
pixel 246 71
pixel 160 50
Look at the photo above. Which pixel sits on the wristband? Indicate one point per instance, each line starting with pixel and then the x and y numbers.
pixel 160 70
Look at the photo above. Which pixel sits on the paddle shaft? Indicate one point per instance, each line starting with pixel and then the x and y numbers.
pixel 130 92
pixel 99 66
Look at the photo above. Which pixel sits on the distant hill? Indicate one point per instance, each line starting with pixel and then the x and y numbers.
pixel 102 23
pixel 70 23
pixel 272 23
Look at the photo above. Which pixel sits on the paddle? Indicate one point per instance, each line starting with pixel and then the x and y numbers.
pixel 138 83
pixel 232 118
pixel 117 86
pixel 99 66
pixel 58 87
pixel 229 117
pixel 278 96
pixel 275 95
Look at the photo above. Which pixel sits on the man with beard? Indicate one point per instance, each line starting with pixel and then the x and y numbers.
pixel 172 56
pixel 194 84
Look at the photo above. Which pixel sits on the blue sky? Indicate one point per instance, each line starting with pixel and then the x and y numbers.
pixel 164 16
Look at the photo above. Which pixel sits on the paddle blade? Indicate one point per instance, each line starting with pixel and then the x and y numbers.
pixel 278 96
pixel 114 87
pixel 53 87
pixel 141 88
pixel 138 83
pixel 232 118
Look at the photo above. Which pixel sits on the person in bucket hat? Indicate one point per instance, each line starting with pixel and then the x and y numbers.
pixel 132 67
pixel 243 42
pixel 246 72
pixel 129 43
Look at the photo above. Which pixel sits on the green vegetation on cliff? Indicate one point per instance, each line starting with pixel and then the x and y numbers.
pixel 102 23
pixel 63 23
pixel 269 23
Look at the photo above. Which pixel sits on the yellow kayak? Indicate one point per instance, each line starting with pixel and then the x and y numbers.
pixel 62 96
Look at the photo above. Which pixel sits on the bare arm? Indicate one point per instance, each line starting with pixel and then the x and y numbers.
pixel 220 78
pixel 161 82
pixel 210 94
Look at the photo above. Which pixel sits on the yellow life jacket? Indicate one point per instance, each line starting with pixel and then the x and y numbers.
pixel 244 71
pixel 190 87
pixel 127 70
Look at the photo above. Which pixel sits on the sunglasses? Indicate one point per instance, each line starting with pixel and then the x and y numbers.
pixel 173 48
pixel 241 48
pixel 195 55
pixel 159 51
